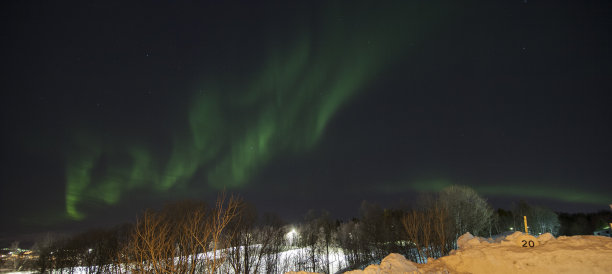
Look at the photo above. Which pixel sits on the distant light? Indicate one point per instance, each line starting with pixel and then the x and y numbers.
pixel 512 228
pixel 291 236
pixel 90 250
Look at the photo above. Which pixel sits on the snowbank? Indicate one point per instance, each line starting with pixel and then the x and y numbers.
pixel 576 254
pixel 394 263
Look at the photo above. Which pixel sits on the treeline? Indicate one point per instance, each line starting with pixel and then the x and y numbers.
pixel 231 237
pixel 584 223
pixel 183 237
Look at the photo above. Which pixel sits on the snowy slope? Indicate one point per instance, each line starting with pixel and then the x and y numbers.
pixel 576 254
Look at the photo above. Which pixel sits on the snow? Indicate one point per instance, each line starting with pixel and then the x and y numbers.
pixel 289 259
pixel 504 254
pixel 576 254
pixel 288 262
pixel 394 263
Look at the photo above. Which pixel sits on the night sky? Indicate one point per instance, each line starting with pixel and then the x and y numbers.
pixel 110 108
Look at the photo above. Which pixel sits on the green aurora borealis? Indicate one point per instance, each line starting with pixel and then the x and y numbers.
pixel 236 127
pixel 527 190
pixel 111 108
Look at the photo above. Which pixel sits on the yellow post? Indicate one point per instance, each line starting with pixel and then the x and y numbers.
pixel 525 220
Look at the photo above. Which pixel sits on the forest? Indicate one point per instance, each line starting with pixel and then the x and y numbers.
pixel 230 236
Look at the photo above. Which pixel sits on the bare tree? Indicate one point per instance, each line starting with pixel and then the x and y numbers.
pixel 539 219
pixel 372 231
pixel 369 239
pixel 470 212
pixel 327 238
pixel 349 238
pixel 430 231
pixel 503 221
pixel 152 244
pixel 244 256
pixel 272 230
pixel 309 238
pixel 183 238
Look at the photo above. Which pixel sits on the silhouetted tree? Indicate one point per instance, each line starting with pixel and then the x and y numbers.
pixel 503 221
pixel 539 219
pixel 171 241
pixel 430 231
pixel 470 212
pixel 583 223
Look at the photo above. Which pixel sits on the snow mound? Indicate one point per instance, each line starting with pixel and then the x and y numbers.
pixel 394 263
pixel 576 254
pixel 468 240
pixel 545 237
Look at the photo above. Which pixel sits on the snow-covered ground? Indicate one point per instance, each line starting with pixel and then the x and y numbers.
pixel 576 254
pixel 509 254
pixel 289 260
